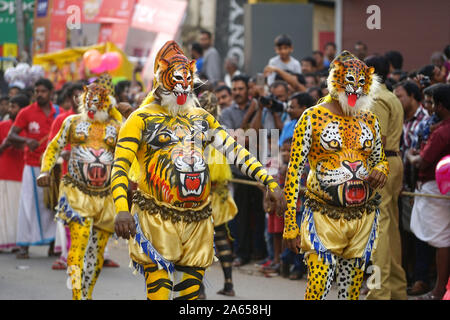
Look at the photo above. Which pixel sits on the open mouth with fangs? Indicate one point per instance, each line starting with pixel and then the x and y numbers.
pixel 97 174
pixel 192 184
pixel 351 98
pixel 181 97
pixel 352 193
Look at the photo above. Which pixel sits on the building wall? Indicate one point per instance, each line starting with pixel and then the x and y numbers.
pixel 414 28
pixel 323 22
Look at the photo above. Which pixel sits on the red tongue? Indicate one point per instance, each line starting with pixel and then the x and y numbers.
pixel 192 184
pixel 181 99
pixel 91 114
pixel 352 100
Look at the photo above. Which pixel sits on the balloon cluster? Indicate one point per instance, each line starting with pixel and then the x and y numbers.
pixel 443 174
pixel 23 75
pixel 98 63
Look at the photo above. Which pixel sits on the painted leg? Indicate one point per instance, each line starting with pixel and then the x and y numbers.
pixel 349 279
pixel 187 283
pixel 159 286
pixel 93 260
pixel 225 255
pixel 75 259
pixel 320 277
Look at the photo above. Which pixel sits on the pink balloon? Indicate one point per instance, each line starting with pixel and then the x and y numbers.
pixel 100 69
pixel 111 60
pixel 443 174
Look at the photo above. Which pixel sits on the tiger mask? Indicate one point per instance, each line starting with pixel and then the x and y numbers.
pixel 174 79
pixel 352 83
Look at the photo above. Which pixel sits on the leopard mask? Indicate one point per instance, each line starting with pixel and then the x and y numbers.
pixel 352 83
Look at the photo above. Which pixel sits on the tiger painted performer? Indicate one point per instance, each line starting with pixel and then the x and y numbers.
pixel 85 200
pixel 341 140
pixel 171 224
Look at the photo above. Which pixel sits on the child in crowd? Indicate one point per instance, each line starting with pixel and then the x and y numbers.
pixel 283 60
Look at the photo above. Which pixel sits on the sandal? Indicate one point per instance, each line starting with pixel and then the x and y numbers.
pixel 59 264
pixel 429 296
pixel 108 263
pixel 22 254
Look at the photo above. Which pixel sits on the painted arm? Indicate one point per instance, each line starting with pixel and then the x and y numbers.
pixel 378 158
pixel 126 148
pixel 300 147
pixel 56 145
pixel 52 152
pixel 238 155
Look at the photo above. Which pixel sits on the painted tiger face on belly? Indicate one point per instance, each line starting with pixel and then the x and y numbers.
pixel 176 171
pixel 341 151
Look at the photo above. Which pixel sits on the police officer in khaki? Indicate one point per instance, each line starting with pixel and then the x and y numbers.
pixel 387 258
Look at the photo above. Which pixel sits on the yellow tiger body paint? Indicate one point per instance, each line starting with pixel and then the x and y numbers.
pixel 166 139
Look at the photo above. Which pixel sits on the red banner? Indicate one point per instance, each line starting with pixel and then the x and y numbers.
pixel 57 36
pixel 158 15
pixel 116 33
pixel 94 11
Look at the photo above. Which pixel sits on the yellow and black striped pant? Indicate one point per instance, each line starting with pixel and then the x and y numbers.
pixel 184 284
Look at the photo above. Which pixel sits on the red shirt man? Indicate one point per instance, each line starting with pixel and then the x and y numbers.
pixel 36 125
pixel 11 159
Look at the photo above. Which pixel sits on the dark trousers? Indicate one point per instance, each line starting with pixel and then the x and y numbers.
pixel 247 227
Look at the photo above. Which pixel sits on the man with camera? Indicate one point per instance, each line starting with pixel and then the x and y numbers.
pixel 271 113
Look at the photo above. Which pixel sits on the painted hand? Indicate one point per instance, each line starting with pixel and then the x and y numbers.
pixel 293 244
pixel 124 225
pixel 43 180
pixel 376 179
pixel 277 201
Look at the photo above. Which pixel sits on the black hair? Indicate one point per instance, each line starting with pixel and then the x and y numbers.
pixel 360 43
pixel 73 87
pixel 223 87
pixel 411 88
pixel 447 51
pixel 44 82
pixel 206 32
pixel 283 40
pixel 380 64
pixel 303 99
pixel 319 52
pixel 330 44
pixel 395 58
pixel 315 89
pixel 3 98
pixel 278 83
pixel 441 95
pixel 241 77
pixel 311 60
pixel 197 48
pixel 21 99
pixel 121 86
pixel 427 70
pixel 428 91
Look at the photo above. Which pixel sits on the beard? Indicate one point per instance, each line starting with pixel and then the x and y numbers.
pixel 169 101
pixel 362 103
pixel 99 116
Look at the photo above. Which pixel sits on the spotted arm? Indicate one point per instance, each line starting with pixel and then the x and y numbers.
pixel 55 147
pixel 300 147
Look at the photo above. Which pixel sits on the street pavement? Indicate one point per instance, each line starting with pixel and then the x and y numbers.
pixel 33 279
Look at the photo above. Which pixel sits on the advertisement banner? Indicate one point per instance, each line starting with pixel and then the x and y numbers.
pixel 94 11
pixel 8 24
pixel 158 15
